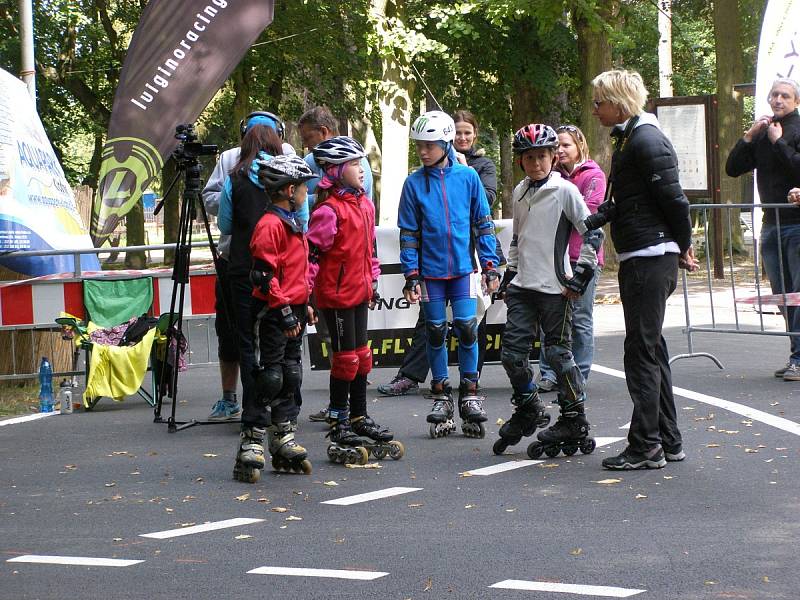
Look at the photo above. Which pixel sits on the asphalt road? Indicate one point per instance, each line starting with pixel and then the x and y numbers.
pixel 722 524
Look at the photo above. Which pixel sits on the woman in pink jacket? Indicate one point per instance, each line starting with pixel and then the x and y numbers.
pixel 576 166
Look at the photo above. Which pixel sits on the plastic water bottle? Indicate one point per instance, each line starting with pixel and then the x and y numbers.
pixel 65 396
pixel 45 386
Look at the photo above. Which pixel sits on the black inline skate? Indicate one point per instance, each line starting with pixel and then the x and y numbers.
pixel 570 433
pixel 287 455
pixel 470 409
pixel 345 447
pixel 529 413
pixel 378 440
pixel 441 415
pixel 250 456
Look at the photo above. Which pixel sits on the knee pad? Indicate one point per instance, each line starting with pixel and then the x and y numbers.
pixel 518 370
pixel 292 377
pixel 268 381
pixel 364 354
pixel 344 365
pixel 466 330
pixel 437 333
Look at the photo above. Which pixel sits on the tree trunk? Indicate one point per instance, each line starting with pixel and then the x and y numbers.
pixel 395 105
pixel 507 161
pixel 595 57
pixel 171 208
pixel 240 79
pixel 730 70
pixel 93 176
pixel 134 236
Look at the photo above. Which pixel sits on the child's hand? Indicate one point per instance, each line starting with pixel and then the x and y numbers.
pixel 490 281
pixel 311 315
pixel 293 333
pixel 570 294
pixel 412 290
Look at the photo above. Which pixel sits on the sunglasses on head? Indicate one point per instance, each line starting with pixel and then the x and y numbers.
pixel 569 129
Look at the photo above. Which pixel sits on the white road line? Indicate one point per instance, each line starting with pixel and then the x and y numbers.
pixel 394 491
pixel 335 573
pixel 87 561
pixel 566 588
pixel 26 418
pixel 171 533
pixel 519 464
pixel 735 407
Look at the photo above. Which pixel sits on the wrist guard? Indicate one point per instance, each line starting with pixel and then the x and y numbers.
pixel 503 288
pixel 288 320
pixel 412 281
pixel 260 279
pixel 581 279
pixel 491 275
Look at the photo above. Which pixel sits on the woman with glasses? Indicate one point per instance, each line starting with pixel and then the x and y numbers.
pixel 576 166
pixel 652 234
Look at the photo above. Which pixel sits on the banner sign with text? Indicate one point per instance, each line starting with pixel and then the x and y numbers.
pixel 180 55
pixel 37 207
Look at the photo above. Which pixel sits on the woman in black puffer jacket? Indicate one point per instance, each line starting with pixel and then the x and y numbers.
pixel 651 231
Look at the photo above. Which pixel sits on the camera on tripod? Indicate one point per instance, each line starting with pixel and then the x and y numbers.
pixel 190 148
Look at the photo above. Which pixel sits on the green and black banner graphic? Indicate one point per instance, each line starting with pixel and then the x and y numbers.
pixel 180 55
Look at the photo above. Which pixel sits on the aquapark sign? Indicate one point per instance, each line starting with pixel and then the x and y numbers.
pixel 37 207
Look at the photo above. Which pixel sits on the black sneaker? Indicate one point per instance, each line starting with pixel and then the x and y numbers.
pixel 629 459
pixel 674 454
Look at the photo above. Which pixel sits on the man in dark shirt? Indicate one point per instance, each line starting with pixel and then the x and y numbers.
pixel 772 147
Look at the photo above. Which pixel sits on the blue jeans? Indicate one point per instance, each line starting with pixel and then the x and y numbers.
pixel 784 270
pixel 582 334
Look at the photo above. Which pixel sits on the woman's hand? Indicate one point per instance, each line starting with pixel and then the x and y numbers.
pixel 794 196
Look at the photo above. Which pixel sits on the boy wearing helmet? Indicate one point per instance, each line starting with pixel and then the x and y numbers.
pixel 537 288
pixel 444 217
pixel 280 296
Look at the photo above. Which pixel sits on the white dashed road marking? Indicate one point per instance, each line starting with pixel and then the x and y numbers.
pixel 26 418
pixel 348 500
pixel 566 588
pixel 86 561
pixel 171 533
pixel 335 573
pixel 735 407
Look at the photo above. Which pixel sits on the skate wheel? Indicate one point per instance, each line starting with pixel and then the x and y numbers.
pixel 362 455
pixel 379 452
pixel 305 467
pixel 499 446
pixel 535 450
pixel 569 450
pixel 544 421
pixel 333 454
pixel 588 446
pixel 552 451
pixel 396 450
pixel 433 431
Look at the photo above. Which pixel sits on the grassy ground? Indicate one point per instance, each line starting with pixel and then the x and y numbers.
pixel 18 399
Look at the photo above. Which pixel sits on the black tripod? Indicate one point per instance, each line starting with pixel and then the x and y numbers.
pixel 187 158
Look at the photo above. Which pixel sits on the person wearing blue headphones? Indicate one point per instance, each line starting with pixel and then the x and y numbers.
pixel 228 408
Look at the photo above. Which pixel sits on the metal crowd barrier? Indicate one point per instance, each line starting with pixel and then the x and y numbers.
pixel 726 315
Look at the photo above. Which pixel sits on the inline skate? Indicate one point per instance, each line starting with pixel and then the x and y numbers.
pixel 287 455
pixel 470 409
pixel 378 440
pixel 529 413
pixel 569 434
pixel 441 415
pixel 250 456
pixel 345 447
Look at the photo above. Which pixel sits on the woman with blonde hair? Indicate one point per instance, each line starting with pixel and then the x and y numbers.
pixel 651 230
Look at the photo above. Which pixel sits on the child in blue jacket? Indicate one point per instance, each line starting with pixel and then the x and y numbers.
pixel 444 218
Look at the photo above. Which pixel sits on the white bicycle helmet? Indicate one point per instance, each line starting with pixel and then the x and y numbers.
pixel 434 126
pixel 283 170
pixel 338 150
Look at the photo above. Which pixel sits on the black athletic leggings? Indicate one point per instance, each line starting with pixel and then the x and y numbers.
pixel 348 331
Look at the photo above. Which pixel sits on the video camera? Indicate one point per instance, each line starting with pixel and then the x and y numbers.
pixel 190 148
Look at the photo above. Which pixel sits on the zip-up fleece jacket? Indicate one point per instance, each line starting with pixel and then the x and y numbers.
pixel 651 207
pixel 590 180
pixel 544 217
pixel 242 203
pixel 341 236
pixel 777 167
pixel 443 218
pixel 279 246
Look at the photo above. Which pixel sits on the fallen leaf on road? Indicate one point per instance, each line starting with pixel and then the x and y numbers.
pixel 244 536
pixel 116 539
pixel 470 506
pixel 428 585
pixel 640 496
pixel 70 467
pixel 209 455
pixel 608 481
pixel 366 466
pixel 415 505
pixel 712 445
pixel 751 451
pixel 243 497
pixel 499 422
pixel 511 510
pixel 278 509
pixel 330 483
pixel 548 466
pixel 263 500
pixel 576 551
pixel 465 474
pixel 293 518
pixel 112 484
